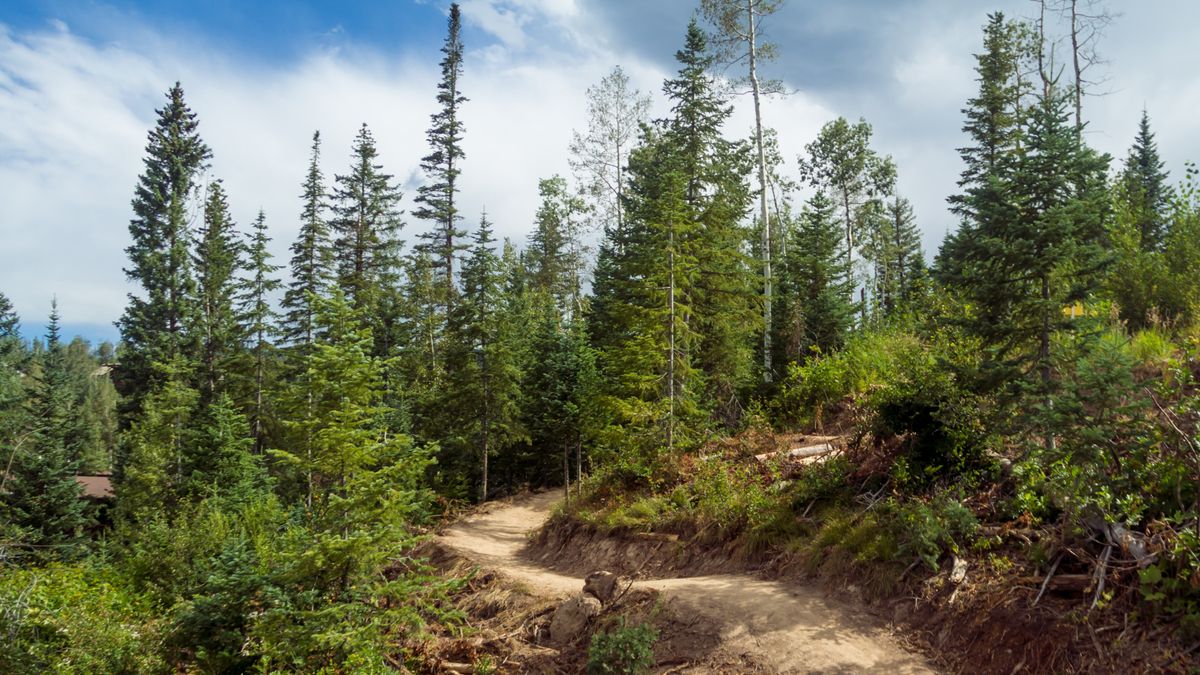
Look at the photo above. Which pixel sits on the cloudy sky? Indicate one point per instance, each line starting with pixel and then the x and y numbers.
pixel 79 82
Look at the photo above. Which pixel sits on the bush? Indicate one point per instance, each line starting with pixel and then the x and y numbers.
pixel 926 530
pixel 940 422
pixel 75 619
pixel 624 650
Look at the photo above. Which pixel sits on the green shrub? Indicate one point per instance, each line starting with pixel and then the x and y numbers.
pixel 75 619
pixel 867 361
pixel 925 530
pixel 821 481
pixel 624 650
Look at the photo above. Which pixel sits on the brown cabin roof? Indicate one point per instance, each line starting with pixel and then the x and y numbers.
pixel 96 487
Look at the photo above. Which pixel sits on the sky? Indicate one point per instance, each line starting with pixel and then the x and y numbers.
pixel 80 81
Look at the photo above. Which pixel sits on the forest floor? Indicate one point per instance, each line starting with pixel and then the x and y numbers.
pixel 725 622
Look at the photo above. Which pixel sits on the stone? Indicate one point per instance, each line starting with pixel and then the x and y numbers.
pixel 958 571
pixel 572 617
pixel 601 585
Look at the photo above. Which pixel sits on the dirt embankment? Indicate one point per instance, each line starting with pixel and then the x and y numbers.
pixel 729 622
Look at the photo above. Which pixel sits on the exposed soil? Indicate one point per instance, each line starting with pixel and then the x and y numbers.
pixel 721 622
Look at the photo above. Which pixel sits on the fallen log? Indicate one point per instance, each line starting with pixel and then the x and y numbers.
pixel 1073 583
pixel 797 453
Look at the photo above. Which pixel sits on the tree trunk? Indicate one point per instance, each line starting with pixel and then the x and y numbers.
pixel 1078 69
pixel 671 342
pixel 1044 356
pixel 483 488
pixel 566 476
pixel 578 465
pixel 849 246
pixel 764 217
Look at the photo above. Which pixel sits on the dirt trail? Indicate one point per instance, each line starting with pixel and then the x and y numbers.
pixel 795 629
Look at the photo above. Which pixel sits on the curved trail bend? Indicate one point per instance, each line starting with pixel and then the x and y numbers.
pixel 793 628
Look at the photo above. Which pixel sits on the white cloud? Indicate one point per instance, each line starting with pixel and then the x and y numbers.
pixel 76 115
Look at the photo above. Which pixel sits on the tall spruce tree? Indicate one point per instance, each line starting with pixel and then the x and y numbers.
pixel 1146 185
pixel 483 384
pixel 154 327
pixel 740 39
pixel 993 125
pixel 41 495
pixel 675 288
pixel 312 258
pixel 716 198
pixel 562 385
pixel 894 249
pixel 813 314
pixel 217 260
pixel 367 223
pixel 1055 253
pixel 556 250
pixel 436 200
pixel 258 324
pixel 1033 209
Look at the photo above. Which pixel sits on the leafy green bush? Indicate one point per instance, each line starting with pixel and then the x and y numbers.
pixel 868 360
pixel 624 650
pixel 927 529
pixel 821 481
pixel 731 494
pixel 75 619
pixel 1106 457
pixel 940 422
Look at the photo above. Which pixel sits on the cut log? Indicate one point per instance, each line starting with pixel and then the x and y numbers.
pixel 1072 583
pixel 797 453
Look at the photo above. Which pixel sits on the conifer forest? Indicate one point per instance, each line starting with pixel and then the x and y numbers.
pixel 716 353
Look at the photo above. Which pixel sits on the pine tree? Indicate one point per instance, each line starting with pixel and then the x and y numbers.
pixel 717 197
pixel 258 321
pixel 813 315
pixel 675 301
pixel 483 386
pixel 154 328
pixel 421 341
pixel 1054 254
pixel 9 321
pixel 739 36
pixel 993 123
pixel 652 364
pixel 367 222
pixel 1146 182
pixel 344 436
pixel 562 383
pixel 217 261
pixel 219 459
pixel 40 493
pixel 151 479
pixel 442 166
pixel 556 248
pixel 893 246
pixel 312 259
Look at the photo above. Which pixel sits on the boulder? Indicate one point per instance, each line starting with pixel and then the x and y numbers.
pixel 572 617
pixel 601 585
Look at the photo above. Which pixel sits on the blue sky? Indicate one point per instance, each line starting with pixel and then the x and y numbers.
pixel 271 30
pixel 79 82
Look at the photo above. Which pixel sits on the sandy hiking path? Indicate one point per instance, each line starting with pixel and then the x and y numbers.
pixel 795 629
